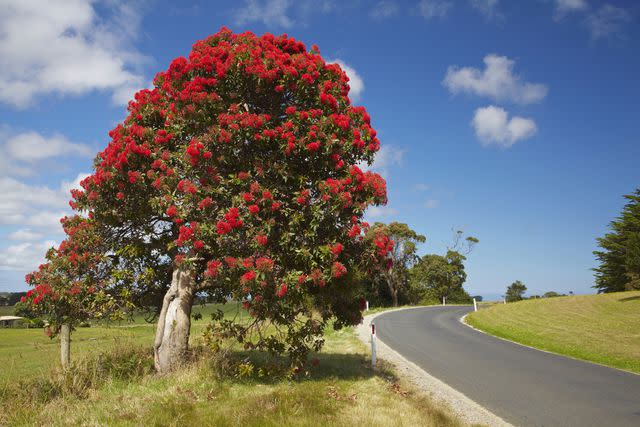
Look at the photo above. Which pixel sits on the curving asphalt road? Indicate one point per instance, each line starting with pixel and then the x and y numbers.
pixel 525 387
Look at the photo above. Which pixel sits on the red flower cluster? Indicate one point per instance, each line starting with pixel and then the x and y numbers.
pixel 248 276
pixel 213 268
pixel 282 290
pixel 230 221
pixel 337 249
pixel 187 233
pixel 384 245
pixel 338 270
pixel 264 264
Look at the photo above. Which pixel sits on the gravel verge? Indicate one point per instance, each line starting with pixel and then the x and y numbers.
pixel 460 405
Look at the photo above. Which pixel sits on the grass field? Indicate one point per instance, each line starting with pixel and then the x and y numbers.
pixel 29 353
pixel 599 328
pixel 341 390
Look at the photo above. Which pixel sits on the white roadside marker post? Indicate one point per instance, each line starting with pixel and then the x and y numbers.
pixel 366 306
pixel 444 300
pixel 475 305
pixel 504 300
pixel 373 345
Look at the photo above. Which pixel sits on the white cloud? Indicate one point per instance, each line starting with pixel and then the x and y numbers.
pixel 432 204
pixel 280 13
pixel 356 83
pixel 67 186
pixel 607 21
pixel 24 256
pixel 269 12
pixel 489 8
pixel 31 146
pixel 25 235
pixel 29 205
pixel 49 220
pixel 434 8
pixel 36 209
pixel 384 9
pixel 63 47
pixel 496 81
pixel 387 157
pixel 567 6
pixel 19 153
pixel 493 127
pixel 380 211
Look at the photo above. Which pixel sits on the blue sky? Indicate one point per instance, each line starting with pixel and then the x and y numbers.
pixel 515 121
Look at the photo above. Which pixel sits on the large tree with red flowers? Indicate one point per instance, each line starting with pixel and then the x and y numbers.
pixel 237 176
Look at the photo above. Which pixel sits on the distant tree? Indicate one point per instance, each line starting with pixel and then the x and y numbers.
pixel 515 292
pixel 436 276
pixel 478 298
pixel 14 297
pixel 4 300
pixel 439 276
pixel 619 268
pixel 552 294
pixel 461 244
pixel 401 258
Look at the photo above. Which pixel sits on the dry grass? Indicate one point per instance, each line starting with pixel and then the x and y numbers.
pixel 600 328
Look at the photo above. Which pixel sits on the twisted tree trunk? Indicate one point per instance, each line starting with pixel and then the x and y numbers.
pixel 174 324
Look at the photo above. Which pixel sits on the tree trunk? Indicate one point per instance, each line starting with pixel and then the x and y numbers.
pixel 174 324
pixel 393 289
pixel 394 297
pixel 65 345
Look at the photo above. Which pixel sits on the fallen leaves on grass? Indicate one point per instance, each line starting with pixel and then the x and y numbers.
pixel 395 387
pixel 333 393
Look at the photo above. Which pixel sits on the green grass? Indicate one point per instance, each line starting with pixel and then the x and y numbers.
pixel 599 328
pixel 341 391
pixel 29 353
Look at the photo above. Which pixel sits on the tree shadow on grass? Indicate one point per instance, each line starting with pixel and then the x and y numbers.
pixel 270 369
pixel 630 299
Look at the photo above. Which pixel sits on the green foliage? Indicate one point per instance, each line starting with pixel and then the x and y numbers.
pixel 619 268
pixel 10 298
pixel 436 276
pixel 515 291
pixel 392 282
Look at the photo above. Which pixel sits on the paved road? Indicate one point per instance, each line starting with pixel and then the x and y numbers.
pixel 525 387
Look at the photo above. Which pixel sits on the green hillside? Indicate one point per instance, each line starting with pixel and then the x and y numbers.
pixel 601 328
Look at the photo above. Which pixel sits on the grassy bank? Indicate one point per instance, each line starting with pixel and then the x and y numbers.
pixel 599 328
pixel 113 384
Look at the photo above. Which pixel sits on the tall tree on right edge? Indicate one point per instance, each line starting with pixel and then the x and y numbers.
pixel 619 258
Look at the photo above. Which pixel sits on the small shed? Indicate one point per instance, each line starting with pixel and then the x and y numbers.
pixel 9 321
